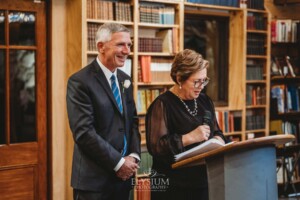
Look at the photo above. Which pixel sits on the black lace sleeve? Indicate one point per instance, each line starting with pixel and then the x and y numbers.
pixel 160 142
pixel 217 131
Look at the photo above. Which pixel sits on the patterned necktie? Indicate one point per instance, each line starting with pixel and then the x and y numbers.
pixel 116 92
pixel 117 96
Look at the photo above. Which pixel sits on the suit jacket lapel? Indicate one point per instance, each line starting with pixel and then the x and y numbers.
pixel 103 81
pixel 123 96
pixel 122 91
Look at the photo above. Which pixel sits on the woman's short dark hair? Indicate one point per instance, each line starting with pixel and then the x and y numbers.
pixel 186 63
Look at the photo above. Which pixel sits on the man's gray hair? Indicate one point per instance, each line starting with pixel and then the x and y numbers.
pixel 106 30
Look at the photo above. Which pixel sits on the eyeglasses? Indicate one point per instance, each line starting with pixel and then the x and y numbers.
pixel 202 82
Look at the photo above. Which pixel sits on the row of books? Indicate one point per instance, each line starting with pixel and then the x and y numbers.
pixel 164 40
pixel 253 4
pixel 256 44
pixel 156 13
pixel 256 21
pixel 285 30
pixel 229 121
pixel 154 69
pixel 91 35
pixel 255 121
pixel 109 10
pixel 255 95
pixel 145 97
pixel 150 44
pixel 287 97
pixel 231 3
pixel 285 127
pixel 255 72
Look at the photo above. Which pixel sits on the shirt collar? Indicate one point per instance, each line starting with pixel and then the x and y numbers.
pixel 106 71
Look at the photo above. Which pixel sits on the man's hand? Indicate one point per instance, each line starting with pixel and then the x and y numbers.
pixel 128 169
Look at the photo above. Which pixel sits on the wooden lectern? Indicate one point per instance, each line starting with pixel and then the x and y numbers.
pixel 243 170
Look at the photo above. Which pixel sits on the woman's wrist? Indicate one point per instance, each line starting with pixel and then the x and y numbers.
pixel 187 139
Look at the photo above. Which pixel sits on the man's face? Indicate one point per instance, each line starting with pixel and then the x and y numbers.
pixel 114 52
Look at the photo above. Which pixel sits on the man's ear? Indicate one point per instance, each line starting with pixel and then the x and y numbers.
pixel 100 46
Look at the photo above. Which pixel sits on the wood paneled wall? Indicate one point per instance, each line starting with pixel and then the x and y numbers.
pixel 59 154
pixel 66 47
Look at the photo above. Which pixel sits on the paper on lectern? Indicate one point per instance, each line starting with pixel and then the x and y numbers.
pixel 201 148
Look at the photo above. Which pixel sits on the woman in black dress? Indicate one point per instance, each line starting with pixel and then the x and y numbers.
pixel 174 124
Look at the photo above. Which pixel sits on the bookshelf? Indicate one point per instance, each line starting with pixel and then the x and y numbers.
pixel 158 33
pixel 158 22
pixel 284 85
pixel 246 114
pixel 257 72
pixel 229 111
pixel 285 119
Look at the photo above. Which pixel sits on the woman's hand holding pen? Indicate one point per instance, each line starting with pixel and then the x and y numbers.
pixel 199 134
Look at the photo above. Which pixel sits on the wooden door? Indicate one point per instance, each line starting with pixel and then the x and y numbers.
pixel 23 95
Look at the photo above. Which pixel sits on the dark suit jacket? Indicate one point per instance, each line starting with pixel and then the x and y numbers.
pixel 98 127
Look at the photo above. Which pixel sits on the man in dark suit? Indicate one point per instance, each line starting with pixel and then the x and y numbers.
pixel 103 120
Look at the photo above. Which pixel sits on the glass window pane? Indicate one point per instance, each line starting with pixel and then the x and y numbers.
pixel 22 96
pixel 21 28
pixel 2 96
pixel 2 27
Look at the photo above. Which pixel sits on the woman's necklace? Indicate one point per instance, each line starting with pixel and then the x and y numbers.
pixel 195 111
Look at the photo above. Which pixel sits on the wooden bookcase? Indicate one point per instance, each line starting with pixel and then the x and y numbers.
pixel 257 74
pixel 80 53
pixel 147 86
pixel 285 120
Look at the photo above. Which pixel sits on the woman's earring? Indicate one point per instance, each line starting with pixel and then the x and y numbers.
pixel 180 86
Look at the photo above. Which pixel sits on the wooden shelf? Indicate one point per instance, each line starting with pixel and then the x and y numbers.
pixel 257 11
pixel 101 21
pixel 95 53
pixel 285 43
pixel 255 131
pixel 164 1
pixel 256 106
pixel 152 25
pixel 215 7
pixel 257 31
pixel 235 133
pixel 257 57
pixel 256 82
pixel 288 116
pixel 158 54
pixel 156 84
pixel 285 79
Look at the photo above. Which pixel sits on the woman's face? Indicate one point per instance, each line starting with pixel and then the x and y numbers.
pixel 191 88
